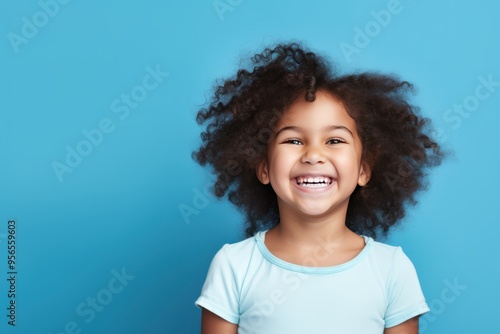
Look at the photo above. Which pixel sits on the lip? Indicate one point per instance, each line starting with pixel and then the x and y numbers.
pixel 314 175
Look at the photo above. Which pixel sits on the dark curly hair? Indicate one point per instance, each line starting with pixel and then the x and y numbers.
pixel 244 110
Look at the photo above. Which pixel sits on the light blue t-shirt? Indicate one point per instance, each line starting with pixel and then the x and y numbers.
pixel 249 286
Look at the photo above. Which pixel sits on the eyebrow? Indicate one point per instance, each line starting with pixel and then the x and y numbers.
pixel 327 128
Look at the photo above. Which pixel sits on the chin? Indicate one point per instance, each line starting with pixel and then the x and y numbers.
pixel 315 212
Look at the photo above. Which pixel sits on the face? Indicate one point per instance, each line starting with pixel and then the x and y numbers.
pixel 314 159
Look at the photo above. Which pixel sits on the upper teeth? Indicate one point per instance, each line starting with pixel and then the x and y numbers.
pixel 318 179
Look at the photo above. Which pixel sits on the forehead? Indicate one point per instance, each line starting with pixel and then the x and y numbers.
pixel 324 110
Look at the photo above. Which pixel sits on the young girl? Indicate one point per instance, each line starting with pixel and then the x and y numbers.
pixel 319 163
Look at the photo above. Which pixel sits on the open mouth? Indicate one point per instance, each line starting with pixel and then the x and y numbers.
pixel 314 182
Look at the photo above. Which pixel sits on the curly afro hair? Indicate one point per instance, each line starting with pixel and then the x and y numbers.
pixel 244 110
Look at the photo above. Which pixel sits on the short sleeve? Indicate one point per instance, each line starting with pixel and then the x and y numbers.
pixel 405 297
pixel 219 294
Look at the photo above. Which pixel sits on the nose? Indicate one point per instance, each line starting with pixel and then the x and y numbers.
pixel 313 155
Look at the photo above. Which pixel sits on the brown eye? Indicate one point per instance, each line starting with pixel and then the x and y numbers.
pixel 335 141
pixel 293 142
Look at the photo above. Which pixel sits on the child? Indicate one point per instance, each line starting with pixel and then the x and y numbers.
pixel 319 163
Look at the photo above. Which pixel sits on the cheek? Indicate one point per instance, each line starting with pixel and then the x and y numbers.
pixel 280 165
pixel 347 163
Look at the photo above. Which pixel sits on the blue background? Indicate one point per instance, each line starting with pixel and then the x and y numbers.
pixel 118 209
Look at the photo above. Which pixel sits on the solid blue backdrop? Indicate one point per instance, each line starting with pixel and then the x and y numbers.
pixel 97 129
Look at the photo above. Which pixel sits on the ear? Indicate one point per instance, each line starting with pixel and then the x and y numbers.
pixel 365 174
pixel 262 172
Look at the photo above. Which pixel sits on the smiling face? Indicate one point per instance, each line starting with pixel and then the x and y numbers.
pixel 314 160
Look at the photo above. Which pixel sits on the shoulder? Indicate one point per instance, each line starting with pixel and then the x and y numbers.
pixel 382 249
pixel 239 249
pixel 388 257
pixel 236 255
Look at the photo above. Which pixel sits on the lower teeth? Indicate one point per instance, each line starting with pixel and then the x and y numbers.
pixel 313 185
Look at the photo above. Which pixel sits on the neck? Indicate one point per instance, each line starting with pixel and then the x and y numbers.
pixel 306 232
